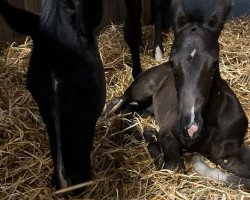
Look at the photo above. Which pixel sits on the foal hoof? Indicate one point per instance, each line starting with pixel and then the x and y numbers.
pixel 150 135
pixel 154 148
pixel 174 164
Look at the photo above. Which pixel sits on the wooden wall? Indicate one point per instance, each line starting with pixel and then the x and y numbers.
pixel 6 33
pixel 114 12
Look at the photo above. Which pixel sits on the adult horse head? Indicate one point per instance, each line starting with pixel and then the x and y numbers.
pixel 66 79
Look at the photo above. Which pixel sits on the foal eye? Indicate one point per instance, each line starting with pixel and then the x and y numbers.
pixel 176 76
pixel 213 68
pixel 171 64
pixel 216 64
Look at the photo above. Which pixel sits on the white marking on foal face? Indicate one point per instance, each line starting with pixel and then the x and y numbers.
pixel 193 53
pixel 158 53
pixel 192 115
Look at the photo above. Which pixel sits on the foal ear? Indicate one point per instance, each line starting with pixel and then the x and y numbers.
pixel 179 16
pixel 216 21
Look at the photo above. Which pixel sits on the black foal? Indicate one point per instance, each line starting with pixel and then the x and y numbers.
pixel 195 108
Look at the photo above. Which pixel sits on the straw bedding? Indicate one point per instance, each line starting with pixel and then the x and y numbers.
pixel 122 168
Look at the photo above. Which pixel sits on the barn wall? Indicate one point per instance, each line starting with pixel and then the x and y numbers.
pixel 114 12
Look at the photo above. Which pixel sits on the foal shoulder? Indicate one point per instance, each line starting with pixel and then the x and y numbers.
pixel 230 100
pixel 157 73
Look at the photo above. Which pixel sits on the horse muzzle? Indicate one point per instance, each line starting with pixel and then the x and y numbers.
pixel 192 130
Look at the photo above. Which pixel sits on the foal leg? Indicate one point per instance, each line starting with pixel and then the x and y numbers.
pixel 140 90
pixel 203 169
pixel 133 33
pixel 150 136
pixel 172 150
pixel 227 147
pixel 238 164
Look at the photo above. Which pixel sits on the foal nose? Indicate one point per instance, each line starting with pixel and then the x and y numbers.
pixel 192 130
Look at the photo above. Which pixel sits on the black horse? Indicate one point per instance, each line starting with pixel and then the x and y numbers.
pixel 66 79
pixel 133 31
pixel 195 108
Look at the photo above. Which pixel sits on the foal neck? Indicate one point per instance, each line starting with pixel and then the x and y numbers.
pixel 216 99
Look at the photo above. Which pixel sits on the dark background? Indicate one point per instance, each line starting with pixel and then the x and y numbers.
pixel 114 12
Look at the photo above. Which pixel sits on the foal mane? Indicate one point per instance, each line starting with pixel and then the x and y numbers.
pixel 195 15
pixel 197 12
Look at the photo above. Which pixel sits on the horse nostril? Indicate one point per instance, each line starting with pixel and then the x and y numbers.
pixel 192 130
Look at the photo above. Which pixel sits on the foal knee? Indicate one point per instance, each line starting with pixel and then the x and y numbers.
pixel 154 148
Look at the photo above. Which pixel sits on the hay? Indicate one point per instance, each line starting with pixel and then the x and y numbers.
pixel 122 167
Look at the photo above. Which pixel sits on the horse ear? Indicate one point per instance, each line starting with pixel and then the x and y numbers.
pixel 179 16
pixel 20 20
pixel 89 15
pixel 216 21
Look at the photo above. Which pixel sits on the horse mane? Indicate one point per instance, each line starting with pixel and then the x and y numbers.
pixel 197 12
pixel 56 23
pixel 49 11
pixel 67 21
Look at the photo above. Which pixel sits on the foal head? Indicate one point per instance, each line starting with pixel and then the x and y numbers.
pixel 194 58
